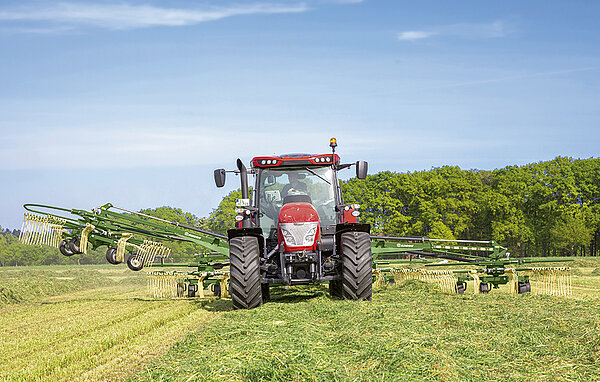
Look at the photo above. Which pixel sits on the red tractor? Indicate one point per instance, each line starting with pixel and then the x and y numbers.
pixel 296 229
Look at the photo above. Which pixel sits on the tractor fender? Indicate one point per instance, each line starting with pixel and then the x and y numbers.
pixel 349 227
pixel 253 231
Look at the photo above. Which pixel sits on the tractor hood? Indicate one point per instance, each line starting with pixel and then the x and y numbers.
pixel 298 228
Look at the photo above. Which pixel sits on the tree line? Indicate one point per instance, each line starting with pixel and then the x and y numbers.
pixel 540 209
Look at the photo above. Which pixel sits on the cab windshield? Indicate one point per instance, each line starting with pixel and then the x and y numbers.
pixel 290 184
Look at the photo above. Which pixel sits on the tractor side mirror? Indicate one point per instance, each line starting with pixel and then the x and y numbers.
pixel 220 177
pixel 361 169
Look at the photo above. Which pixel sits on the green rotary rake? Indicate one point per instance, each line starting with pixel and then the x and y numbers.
pixel 132 237
pixel 488 264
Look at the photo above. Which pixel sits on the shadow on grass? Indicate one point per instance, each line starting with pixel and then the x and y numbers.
pixel 296 294
pixel 215 305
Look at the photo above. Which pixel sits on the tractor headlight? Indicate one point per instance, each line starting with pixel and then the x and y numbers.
pixel 288 237
pixel 299 234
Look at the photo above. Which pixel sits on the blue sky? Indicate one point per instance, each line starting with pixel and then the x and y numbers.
pixel 136 102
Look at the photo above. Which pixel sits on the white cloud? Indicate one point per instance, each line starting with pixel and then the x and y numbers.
pixel 495 29
pixel 414 35
pixel 124 16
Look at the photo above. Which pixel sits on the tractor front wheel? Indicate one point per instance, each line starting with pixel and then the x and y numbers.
pixel 244 263
pixel 357 267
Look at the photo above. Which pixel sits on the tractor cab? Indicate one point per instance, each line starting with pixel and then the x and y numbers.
pixel 282 186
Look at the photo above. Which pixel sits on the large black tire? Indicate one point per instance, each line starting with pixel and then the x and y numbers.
pixel 64 248
pixel 244 272
pixel 336 289
pixel 111 255
pixel 357 267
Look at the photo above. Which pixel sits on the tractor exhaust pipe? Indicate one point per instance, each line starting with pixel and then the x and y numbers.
pixel 243 178
pixel 246 222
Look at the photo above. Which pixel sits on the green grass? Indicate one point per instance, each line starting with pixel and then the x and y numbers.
pixel 25 284
pixel 97 323
pixel 408 332
pixel 91 323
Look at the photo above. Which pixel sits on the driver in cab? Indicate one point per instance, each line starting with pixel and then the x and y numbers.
pixel 295 186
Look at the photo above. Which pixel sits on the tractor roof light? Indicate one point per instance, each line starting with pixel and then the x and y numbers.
pixel 333 143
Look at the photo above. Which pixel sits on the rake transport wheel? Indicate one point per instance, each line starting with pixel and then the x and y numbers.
pixel 134 262
pixel 524 287
pixel 64 248
pixel 217 290
pixel 111 255
pixel 244 272
pixel 460 288
pixel 357 276
pixel 484 288
pixel 74 245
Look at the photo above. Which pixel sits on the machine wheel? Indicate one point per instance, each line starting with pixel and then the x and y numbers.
pixel 217 290
pixel 484 288
pixel 460 288
pixel 244 285
pixel 74 245
pixel 134 262
pixel 111 255
pixel 266 292
pixel 357 268
pixel 336 289
pixel 192 290
pixel 524 287
pixel 64 248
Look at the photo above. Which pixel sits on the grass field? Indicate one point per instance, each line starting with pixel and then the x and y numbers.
pixel 86 323
pixel 108 329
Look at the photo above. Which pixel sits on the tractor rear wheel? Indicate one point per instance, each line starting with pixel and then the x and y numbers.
pixel 244 263
pixel 64 248
pixel 357 267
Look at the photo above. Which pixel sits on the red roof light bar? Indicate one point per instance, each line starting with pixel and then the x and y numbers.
pixel 295 160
